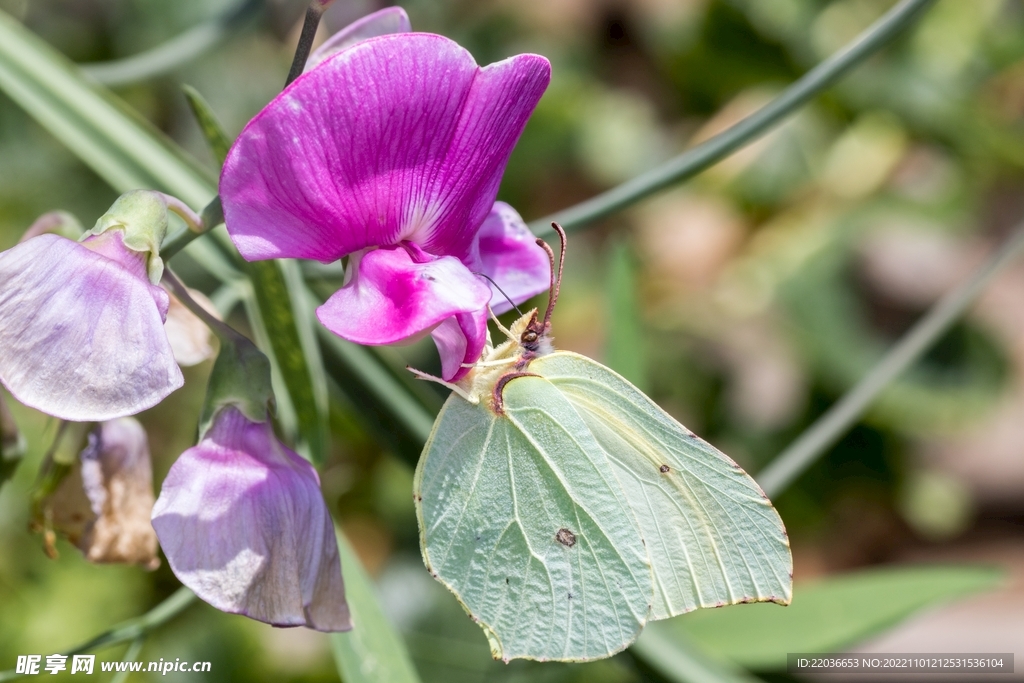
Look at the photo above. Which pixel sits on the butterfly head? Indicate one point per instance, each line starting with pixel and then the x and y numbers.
pixel 532 335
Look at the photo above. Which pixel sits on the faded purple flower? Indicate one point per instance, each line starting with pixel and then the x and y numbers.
pixel 82 323
pixel 243 524
pixel 390 151
pixel 104 505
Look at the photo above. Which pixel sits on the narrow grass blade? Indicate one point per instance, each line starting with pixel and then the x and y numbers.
pixel 92 123
pixel 827 615
pixel 624 341
pixel 372 652
pixel 294 353
pixel 679 660
pixel 707 154
pixel 815 440
pixel 211 127
pixel 179 50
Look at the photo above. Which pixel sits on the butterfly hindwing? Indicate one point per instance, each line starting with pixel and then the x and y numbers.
pixel 521 516
pixel 712 535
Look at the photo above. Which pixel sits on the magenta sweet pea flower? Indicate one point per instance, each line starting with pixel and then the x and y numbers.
pixel 243 524
pixel 390 152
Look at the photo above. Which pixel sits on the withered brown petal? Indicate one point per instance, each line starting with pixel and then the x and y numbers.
pixel 104 505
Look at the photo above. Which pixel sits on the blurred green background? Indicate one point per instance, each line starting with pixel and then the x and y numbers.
pixel 745 302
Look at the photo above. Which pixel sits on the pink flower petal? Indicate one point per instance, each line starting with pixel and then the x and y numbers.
pixel 508 253
pixel 243 524
pixel 401 137
pixel 392 298
pixel 460 339
pixel 381 23
pixel 81 337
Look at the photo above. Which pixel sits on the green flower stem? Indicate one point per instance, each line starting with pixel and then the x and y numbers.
pixel 177 51
pixel 130 656
pixel 130 630
pixel 309 26
pixel 193 222
pixel 709 153
pixel 814 441
pixel 224 332
pixel 211 217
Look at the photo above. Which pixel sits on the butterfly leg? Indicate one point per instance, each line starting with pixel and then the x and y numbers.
pixel 490 363
pixel 454 387
pixel 504 330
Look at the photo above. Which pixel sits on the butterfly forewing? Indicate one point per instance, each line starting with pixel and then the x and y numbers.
pixel 712 535
pixel 521 516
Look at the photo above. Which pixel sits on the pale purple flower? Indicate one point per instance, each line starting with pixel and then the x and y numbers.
pixel 81 328
pixel 390 151
pixel 243 524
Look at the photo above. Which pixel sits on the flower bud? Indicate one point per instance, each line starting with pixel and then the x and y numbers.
pixel 141 215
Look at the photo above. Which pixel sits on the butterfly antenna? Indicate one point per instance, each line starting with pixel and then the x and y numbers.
pixel 507 297
pixel 556 279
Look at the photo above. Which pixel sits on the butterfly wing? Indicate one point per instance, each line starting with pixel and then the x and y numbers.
pixel 522 518
pixel 712 535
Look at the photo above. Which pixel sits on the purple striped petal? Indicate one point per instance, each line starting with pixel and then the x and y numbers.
pixel 508 253
pixel 81 334
pixel 401 137
pixel 397 294
pixel 243 524
pixel 384 22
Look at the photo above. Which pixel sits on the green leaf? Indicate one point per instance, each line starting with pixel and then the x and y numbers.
pixel 679 660
pixel 209 124
pixel 296 358
pixel 372 652
pixel 293 352
pixel 108 136
pixel 92 123
pixel 827 615
pixel 624 345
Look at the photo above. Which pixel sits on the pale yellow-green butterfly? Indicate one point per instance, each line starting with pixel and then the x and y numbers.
pixel 565 509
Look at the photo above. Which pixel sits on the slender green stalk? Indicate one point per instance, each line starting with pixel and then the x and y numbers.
pixel 709 153
pixel 179 50
pixel 841 416
pixel 211 217
pixel 219 328
pixel 130 656
pixel 309 26
pixel 130 630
